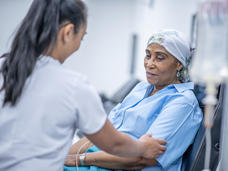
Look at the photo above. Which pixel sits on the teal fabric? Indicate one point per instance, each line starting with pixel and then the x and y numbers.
pixel 89 168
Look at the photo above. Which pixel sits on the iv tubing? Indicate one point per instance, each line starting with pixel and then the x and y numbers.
pixel 76 157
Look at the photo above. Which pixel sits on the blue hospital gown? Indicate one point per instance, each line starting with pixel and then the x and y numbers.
pixel 172 114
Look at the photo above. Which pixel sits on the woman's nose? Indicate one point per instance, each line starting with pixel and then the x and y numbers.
pixel 151 62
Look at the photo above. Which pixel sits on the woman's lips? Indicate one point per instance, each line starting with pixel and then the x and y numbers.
pixel 150 75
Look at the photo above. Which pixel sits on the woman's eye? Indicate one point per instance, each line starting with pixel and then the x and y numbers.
pixel 148 56
pixel 159 57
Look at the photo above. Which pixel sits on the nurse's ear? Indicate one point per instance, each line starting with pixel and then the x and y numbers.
pixel 67 33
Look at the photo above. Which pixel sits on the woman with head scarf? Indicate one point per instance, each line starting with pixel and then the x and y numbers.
pixel 164 106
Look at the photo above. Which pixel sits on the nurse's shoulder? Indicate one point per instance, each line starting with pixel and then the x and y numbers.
pixel 55 73
pixel 77 83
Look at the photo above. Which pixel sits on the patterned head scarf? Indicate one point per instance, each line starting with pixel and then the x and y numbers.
pixel 176 44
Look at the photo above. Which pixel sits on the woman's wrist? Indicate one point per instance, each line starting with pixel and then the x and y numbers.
pixel 82 158
pixel 76 160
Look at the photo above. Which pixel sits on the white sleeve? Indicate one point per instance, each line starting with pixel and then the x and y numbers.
pixel 90 113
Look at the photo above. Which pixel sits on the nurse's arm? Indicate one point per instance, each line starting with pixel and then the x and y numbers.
pixel 112 141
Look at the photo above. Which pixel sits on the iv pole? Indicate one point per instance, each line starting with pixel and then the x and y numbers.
pixel 224 137
pixel 223 165
pixel 213 21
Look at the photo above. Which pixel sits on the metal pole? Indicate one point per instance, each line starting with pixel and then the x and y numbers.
pixel 224 133
pixel 133 59
pixel 223 164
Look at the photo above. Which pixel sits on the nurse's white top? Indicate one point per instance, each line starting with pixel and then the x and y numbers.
pixel 37 133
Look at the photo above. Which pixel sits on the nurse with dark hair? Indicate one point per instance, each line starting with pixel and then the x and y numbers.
pixel 42 103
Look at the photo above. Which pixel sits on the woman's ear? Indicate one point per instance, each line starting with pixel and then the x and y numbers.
pixel 179 66
pixel 67 33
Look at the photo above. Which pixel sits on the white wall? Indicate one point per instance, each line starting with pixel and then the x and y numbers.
pixel 11 13
pixel 105 53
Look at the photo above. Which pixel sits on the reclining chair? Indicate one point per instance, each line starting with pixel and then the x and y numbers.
pixel 119 95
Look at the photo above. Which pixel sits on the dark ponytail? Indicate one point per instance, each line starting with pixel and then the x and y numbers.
pixel 37 34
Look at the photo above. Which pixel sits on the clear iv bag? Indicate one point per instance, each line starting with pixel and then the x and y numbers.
pixel 210 62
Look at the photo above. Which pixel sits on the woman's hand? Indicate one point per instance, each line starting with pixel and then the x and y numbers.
pixel 153 148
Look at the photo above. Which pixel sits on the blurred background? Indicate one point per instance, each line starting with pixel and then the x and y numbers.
pixel 112 52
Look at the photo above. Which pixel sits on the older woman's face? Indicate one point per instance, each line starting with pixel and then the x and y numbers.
pixel 161 67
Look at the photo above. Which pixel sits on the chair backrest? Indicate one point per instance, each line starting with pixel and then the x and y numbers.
pixel 124 90
pixel 193 159
pixel 120 94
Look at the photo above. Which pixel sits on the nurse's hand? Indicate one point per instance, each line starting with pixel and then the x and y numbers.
pixel 153 148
